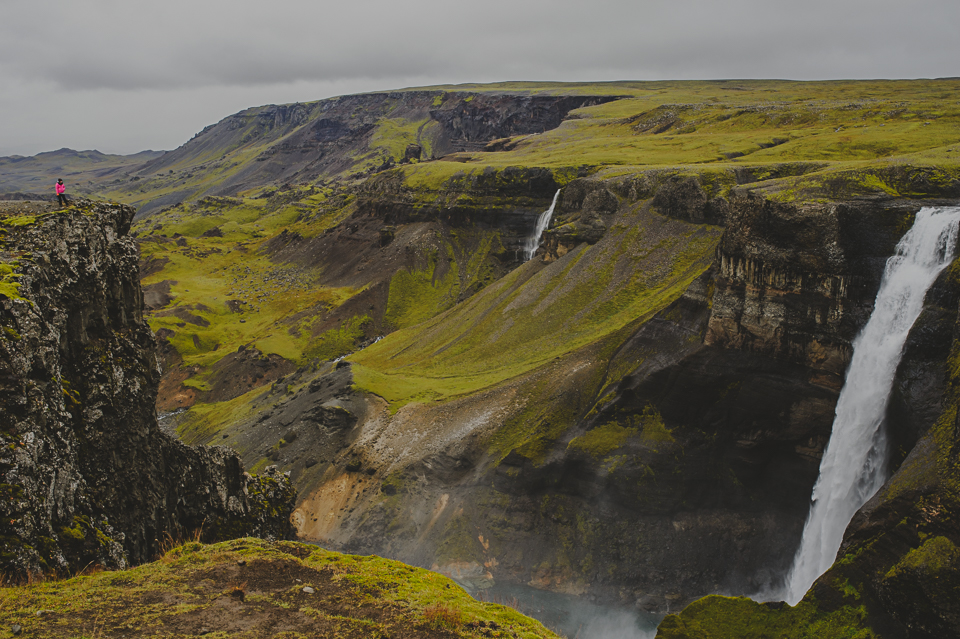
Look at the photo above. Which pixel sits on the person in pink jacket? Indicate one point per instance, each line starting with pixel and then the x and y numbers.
pixel 61 189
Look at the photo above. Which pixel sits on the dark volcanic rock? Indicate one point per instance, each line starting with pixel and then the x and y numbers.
pixel 87 475
pixel 582 214
pixel 412 152
pixel 469 122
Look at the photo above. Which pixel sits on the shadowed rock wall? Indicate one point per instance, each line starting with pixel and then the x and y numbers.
pixel 87 475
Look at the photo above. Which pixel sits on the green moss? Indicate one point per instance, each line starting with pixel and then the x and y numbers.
pixel 532 431
pixel 18 220
pixel 848 589
pixel 935 555
pixel 81 541
pixel 78 532
pixel 9 286
pixel 717 617
pixel 418 295
pixel 392 135
pixel 603 440
pixel 338 341
pixel 204 420
pixel 278 301
pixel 654 430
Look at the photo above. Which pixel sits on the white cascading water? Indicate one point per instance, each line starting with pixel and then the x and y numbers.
pixel 853 465
pixel 532 243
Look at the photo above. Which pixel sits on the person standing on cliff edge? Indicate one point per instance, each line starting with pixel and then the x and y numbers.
pixel 61 189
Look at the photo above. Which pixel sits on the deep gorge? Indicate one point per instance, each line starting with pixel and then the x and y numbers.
pixel 635 416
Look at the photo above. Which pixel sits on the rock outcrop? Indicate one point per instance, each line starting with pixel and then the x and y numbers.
pixel 87 475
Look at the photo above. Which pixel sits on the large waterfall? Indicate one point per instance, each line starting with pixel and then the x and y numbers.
pixel 853 465
pixel 532 243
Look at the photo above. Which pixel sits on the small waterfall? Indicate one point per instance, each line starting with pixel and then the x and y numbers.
pixel 853 465
pixel 532 243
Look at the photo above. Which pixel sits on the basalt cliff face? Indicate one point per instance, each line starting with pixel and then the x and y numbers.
pixel 87 474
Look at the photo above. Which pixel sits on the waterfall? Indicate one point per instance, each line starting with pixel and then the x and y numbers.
pixel 532 243
pixel 853 465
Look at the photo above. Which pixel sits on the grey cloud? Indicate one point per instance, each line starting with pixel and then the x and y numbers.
pixel 126 49
pixel 103 44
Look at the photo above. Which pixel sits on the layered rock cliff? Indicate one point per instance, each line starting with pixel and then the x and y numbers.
pixel 87 474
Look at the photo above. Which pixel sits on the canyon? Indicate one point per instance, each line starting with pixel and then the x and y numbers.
pixel 635 415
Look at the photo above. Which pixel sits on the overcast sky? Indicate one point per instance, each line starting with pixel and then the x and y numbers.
pixel 122 76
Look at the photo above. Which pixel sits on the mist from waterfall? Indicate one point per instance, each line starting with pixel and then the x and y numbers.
pixel 853 467
pixel 532 243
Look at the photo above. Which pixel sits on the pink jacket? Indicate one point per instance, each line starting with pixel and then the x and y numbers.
pixel 61 188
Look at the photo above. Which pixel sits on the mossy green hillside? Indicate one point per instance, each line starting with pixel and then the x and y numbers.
pixel 917 176
pixel 228 291
pixel 233 293
pixel 846 139
pixel 535 314
pixel 603 440
pixel 717 617
pixel 462 264
pixel 235 147
pixel 185 180
pixel 744 122
pixel 654 124
pixel 393 135
pixel 737 122
pixel 935 555
pixel 254 588
pixel 206 419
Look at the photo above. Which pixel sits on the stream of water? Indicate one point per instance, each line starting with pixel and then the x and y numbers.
pixel 854 463
pixel 532 243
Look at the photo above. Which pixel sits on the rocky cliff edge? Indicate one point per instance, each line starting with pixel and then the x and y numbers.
pixel 86 474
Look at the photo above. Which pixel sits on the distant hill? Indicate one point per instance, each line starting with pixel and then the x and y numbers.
pixel 82 171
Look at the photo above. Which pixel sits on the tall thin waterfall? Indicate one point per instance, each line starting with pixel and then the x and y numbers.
pixel 532 243
pixel 853 465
